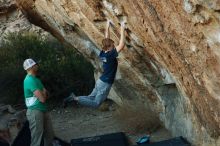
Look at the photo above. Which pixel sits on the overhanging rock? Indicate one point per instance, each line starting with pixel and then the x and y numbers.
pixel 171 60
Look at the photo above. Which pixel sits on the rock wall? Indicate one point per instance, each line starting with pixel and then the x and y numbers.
pixel 11 122
pixel 171 59
pixel 12 20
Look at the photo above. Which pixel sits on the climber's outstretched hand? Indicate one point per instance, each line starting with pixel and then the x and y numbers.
pixel 124 24
pixel 107 33
pixel 122 38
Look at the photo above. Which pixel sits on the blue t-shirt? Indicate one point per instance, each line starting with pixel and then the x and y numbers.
pixel 110 65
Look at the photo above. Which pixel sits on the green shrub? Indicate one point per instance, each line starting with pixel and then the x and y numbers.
pixel 62 69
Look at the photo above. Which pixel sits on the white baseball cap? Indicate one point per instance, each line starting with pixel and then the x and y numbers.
pixel 28 63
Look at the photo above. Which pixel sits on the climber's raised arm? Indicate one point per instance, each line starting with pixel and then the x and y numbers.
pixel 122 38
pixel 107 34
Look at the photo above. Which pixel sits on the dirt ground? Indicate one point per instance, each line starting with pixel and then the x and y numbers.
pixel 77 122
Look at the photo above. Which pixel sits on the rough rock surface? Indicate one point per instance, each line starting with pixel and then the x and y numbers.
pixel 171 60
pixel 11 122
pixel 12 20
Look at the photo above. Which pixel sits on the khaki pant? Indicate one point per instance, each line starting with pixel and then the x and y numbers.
pixel 41 127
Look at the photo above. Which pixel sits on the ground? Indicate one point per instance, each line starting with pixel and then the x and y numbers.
pixel 77 122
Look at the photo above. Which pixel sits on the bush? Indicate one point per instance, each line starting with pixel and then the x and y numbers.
pixel 62 69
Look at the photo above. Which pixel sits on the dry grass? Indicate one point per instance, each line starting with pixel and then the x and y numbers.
pixel 137 118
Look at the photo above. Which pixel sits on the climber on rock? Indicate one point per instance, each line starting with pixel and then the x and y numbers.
pixel 108 55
